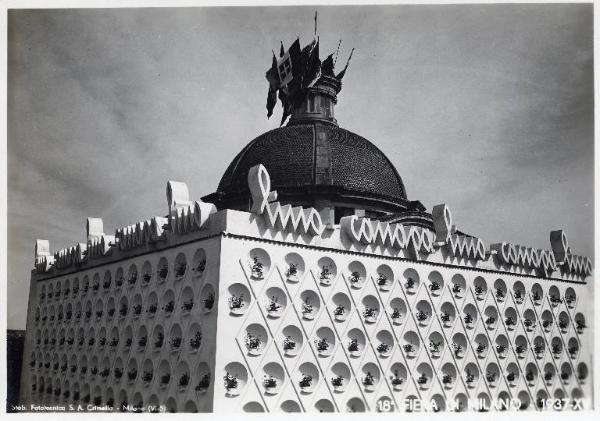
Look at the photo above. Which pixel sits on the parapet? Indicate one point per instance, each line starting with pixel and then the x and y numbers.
pixel 184 217
pixel 270 220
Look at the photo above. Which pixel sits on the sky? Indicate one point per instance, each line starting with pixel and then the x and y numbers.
pixel 486 108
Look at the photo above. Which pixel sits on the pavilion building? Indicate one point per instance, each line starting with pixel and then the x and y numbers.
pixel 308 281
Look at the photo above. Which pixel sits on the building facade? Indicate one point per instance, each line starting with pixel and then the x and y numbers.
pixel 307 282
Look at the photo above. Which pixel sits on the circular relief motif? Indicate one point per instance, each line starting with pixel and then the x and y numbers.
pixel 255 339
pixel 357 274
pixel 325 341
pixel 340 377
pixel 327 271
pixel 436 283
pixel 291 341
pixel 308 377
pixel 259 263
pixel 235 377
pixel 162 269
pixel 273 378
pixel 371 309
pixel 199 263
pixel 309 304
pixel 207 298
pixel 385 277
pixel 411 281
pixel 370 377
pixel 239 299
pixel 294 267
pixel 275 302
pixel 181 266
pixel 342 306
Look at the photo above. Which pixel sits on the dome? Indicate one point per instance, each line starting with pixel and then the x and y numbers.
pixel 315 158
pixel 313 162
pixel 294 158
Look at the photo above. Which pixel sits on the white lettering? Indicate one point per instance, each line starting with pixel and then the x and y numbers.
pixel 415 240
pixel 284 217
pixel 467 247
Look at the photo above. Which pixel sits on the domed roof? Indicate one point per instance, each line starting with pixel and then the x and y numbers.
pixel 315 157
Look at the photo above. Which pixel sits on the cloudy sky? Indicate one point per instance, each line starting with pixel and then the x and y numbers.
pixel 487 108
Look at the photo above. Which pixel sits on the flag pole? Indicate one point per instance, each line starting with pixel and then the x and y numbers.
pixel 348 62
pixel 337 51
pixel 315 23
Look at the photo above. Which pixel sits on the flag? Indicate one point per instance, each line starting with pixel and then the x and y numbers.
pixel 327 66
pixel 284 69
pixel 312 68
pixel 271 101
pixel 289 70
pixel 292 74
pixel 296 59
pixel 304 57
pixel 305 53
pixel 286 105
pixel 272 74
pixel 290 65
pixel 273 79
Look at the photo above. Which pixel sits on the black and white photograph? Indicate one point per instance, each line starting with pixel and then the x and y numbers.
pixel 286 207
